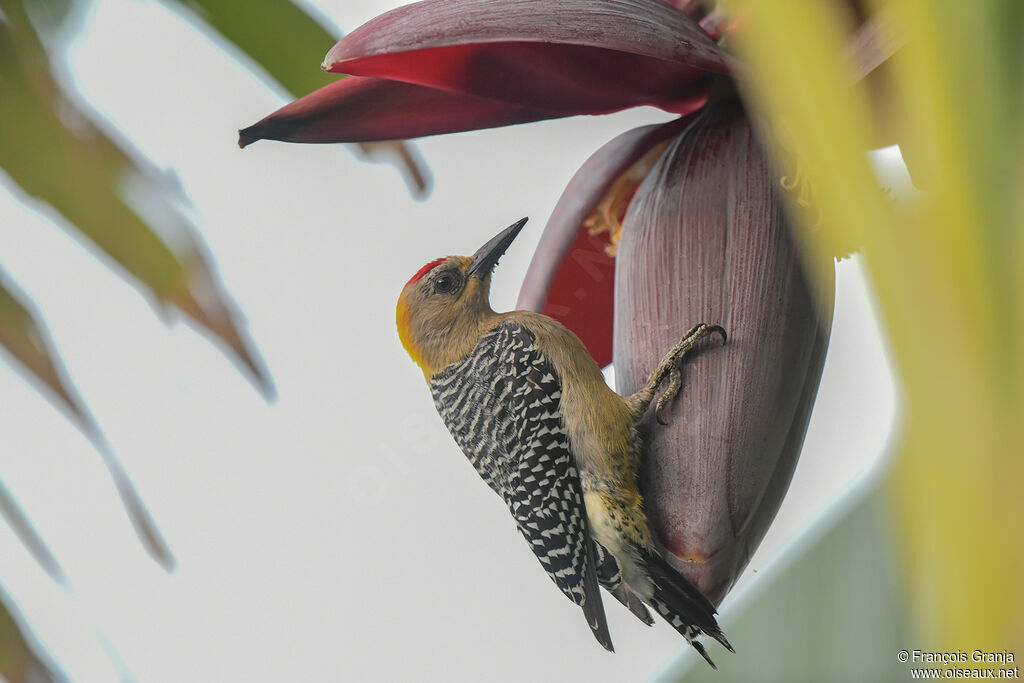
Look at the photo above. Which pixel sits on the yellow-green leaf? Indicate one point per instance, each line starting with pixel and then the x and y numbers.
pixel 59 153
pixel 947 270
pixel 25 338
pixel 27 534
pixel 279 36
pixel 19 662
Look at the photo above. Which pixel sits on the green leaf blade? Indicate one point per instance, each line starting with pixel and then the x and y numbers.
pixel 56 151
pixel 279 36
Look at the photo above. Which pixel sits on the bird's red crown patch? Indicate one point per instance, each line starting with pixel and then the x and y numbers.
pixel 424 270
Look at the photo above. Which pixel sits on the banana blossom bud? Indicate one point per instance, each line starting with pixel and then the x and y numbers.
pixel 706 239
pixel 693 214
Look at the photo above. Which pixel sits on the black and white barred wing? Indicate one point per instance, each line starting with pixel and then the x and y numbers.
pixel 473 403
pixel 545 496
pixel 514 394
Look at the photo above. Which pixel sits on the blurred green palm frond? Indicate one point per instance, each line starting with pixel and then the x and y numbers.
pixel 25 339
pixel 62 155
pixel 947 268
pixel 20 661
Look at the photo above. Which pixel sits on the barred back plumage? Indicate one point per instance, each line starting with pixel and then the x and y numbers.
pixel 501 404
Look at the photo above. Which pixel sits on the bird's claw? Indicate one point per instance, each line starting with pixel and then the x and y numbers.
pixel 673 359
pixel 675 383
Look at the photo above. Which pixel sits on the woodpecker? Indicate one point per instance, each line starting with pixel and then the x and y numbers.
pixel 530 409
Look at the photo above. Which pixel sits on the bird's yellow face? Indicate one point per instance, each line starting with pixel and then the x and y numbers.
pixel 434 304
pixel 445 305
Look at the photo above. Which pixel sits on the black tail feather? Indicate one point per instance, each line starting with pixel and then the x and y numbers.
pixel 623 594
pixel 679 589
pixel 609 575
pixel 683 606
pixel 703 653
pixel 592 607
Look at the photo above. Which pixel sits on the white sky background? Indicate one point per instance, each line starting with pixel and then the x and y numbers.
pixel 336 534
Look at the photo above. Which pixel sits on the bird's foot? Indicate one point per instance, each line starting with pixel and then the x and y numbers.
pixel 669 367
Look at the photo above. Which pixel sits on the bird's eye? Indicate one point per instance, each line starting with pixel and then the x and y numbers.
pixel 446 282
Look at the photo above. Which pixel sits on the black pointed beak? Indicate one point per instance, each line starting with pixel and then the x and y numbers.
pixel 487 256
